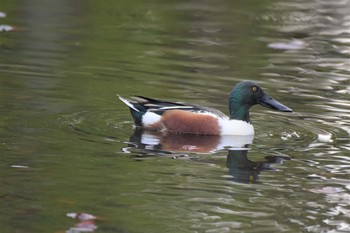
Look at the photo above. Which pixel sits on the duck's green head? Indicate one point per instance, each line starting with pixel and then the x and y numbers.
pixel 246 94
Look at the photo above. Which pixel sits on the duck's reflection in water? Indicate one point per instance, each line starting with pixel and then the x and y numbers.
pixel 184 143
pixel 240 168
pixel 243 170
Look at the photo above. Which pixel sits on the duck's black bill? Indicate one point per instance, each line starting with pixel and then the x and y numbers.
pixel 269 102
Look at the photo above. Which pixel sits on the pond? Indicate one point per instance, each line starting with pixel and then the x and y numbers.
pixel 71 160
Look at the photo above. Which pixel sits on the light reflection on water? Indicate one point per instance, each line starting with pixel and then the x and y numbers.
pixel 65 135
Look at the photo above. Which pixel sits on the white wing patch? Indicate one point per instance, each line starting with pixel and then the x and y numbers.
pixel 176 107
pixel 213 115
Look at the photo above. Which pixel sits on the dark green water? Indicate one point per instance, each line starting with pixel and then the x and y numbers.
pixel 67 144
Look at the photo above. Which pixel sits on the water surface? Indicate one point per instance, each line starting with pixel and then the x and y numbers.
pixel 68 146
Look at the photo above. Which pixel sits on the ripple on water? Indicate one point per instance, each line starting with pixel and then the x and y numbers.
pixel 101 126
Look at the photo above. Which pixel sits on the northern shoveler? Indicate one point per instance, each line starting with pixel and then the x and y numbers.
pixel 180 117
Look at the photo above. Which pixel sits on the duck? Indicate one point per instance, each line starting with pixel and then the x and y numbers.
pixel 187 118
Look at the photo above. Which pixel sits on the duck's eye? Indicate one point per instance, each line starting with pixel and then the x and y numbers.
pixel 254 89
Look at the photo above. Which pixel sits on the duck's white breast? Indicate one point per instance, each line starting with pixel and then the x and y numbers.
pixel 235 127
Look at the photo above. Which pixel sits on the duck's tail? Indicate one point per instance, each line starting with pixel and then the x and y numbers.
pixel 136 109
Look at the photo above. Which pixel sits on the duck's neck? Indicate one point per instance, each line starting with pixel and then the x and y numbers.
pixel 238 110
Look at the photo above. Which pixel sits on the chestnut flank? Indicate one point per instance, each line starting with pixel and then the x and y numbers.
pixel 179 121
